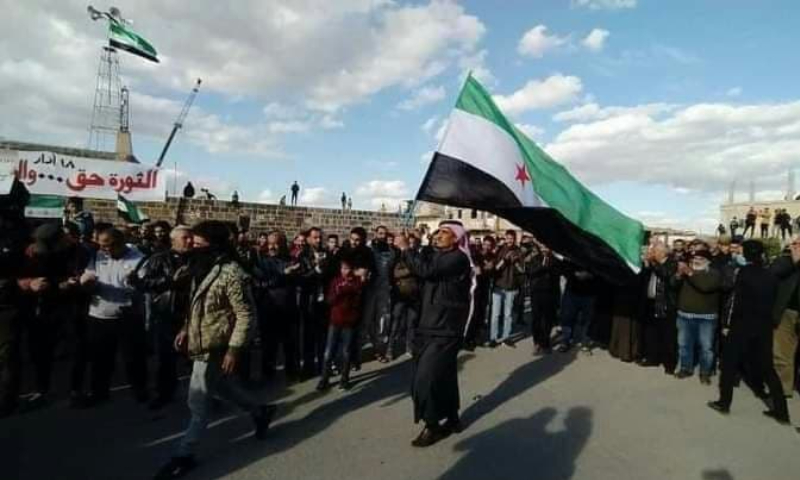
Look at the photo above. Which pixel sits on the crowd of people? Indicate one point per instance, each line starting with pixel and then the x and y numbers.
pixel 243 309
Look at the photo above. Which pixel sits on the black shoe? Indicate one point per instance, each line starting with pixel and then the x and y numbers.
pixel 429 436
pixel 453 425
pixel 782 419
pixel 177 467
pixel 492 344
pixel 345 385
pixel 77 399
pixel 323 385
pixel 563 348
pixel 705 379
pixel 141 396
pixel 36 401
pixel 158 403
pixel 718 406
pixel 262 419
pixel 509 343
pixel 683 374
pixel 93 400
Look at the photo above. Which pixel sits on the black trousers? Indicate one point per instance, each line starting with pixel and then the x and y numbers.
pixel 106 337
pixel 314 335
pixel 751 227
pixel 10 361
pixel 80 352
pixel 405 315
pixel 667 343
pixel 544 309
pixel 43 332
pixel 755 351
pixel 166 329
pixel 278 328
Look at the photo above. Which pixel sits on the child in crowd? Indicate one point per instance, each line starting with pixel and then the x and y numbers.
pixel 344 299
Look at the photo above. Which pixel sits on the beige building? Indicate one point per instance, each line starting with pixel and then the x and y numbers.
pixel 739 210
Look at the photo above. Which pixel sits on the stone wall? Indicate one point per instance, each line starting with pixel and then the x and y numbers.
pixel 263 217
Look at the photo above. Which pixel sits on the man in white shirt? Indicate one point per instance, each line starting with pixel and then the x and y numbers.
pixel 115 317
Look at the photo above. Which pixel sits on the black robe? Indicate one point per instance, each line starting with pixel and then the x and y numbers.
pixel 446 282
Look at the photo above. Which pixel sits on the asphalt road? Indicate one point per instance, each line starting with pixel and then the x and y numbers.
pixel 558 417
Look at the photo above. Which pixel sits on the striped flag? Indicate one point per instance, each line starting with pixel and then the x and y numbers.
pixel 121 36
pixel 129 211
pixel 485 163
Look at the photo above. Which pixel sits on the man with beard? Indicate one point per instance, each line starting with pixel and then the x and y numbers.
pixel 748 333
pixel 377 295
pixel 221 313
pixel 162 277
pixel 274 280
pixel 446 276
pixel 315 274
pixel 49 286
pixel 362 258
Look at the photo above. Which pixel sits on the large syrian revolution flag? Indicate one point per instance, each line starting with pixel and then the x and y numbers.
pixel 485 163
pixel 123 37
pixel 130 212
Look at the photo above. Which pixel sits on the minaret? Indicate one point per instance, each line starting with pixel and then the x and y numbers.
pixel 731 193
pixel 790 190
pixel 752 191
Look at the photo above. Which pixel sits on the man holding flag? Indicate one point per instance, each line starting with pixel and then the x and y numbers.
pixel 446 277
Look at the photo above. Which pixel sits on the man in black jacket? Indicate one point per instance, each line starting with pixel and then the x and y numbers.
pixel 315 273
pixel 748 333
pixel 446 276
pixel 162 276
pixel 377 307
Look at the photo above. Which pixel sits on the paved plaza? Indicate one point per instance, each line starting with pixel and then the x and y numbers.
pixel 558 417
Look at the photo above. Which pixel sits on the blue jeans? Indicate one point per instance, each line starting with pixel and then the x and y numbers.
pixel 691 332
pixel 502 302
pixel 577 312
pixel 208 381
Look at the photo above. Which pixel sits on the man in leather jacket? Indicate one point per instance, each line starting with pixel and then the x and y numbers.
pixel 164 277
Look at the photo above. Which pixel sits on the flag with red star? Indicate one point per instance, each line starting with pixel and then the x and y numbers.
pixel 485 163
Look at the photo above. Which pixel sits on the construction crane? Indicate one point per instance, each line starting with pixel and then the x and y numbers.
pixel 179 121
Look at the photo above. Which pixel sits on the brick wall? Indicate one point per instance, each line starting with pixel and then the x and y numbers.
pixel 263 217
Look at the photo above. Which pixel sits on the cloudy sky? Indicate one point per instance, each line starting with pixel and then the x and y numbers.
pixel 659 110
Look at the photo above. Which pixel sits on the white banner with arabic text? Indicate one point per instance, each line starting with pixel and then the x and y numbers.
pixel 48 173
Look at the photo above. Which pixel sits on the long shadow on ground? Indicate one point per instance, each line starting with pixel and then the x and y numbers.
pixel 525 448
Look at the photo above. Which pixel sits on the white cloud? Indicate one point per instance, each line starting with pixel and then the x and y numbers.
pixel 596 39
pixel 315 196
pixel 536 42
pixel 379 193
pixel 408 46
pixel 701 147
pixel 476 64
pixel 532 131
pixel 266 196
pixel 290 54
pixel 439 135
pixel 430 124
pixel 734 92
pixel 604 4
pixel 536 94
pixel 423 96
pixel 593 111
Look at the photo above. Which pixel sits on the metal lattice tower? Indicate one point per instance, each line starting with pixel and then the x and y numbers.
pixel 108 113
